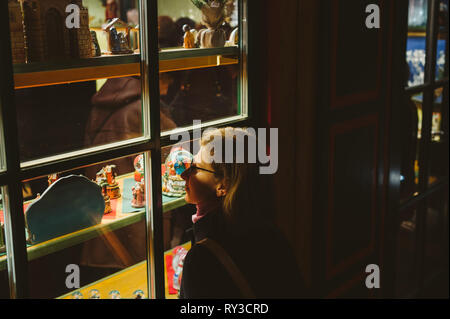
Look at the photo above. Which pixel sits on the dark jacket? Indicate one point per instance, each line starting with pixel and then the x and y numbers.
pixel 260 252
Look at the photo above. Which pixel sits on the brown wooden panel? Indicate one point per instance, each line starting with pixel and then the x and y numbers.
pixel 353 288
pixel 355 55
pixel 352 186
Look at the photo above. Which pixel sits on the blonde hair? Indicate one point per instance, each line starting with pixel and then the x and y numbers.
pixel 240 179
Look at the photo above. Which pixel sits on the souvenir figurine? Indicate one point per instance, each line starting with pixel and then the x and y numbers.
pixel 138 167
pixel 102 182
pixel 139 294
pixel 94 294
pixel 77 295
pixel 16 28
pixel 189 41
pixel 118 42
pixel 176 163
pixel 114 40
pixel 213 16
pixel 138 191
pixel 177 265
pixel 107 199
pixel 38 31
pixel 114 294
pixel 112 188
pixel 95 46
pixel 124 45
pixel 52 178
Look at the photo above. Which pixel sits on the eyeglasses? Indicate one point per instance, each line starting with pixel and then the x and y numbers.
pixel 192 167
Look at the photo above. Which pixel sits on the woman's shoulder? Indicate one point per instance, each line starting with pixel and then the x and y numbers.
pixel 204 276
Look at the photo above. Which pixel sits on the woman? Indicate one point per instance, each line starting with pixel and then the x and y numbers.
pixel 230 202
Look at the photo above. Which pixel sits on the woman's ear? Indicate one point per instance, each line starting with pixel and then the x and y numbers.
pixel 221 189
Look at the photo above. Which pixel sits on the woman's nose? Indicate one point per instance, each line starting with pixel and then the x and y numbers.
pixel 185 174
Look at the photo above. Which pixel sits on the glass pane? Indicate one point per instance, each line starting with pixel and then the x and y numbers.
pixel 438 145
pixel 415 45
pixel 203 94
pixel 201 70
pixel 77 75
pixel 412 115
pixel 442 39
pixel 406 275
pixel 92 222
pixel 436 243
pixel 177 220
pixel 4 282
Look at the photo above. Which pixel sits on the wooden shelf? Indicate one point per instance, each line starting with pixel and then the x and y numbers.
pixel 106 67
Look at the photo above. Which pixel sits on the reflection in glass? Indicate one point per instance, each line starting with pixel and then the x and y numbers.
pixel 412 116
pixel 207 92
pixel 438 147
pixel 442 39
pixel 62 103
pixel 406 275
pixel 93 217
pixel 415 45
pixel 203 94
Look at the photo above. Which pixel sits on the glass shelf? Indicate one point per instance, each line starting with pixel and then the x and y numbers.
pixel 106 226
pixel 116 281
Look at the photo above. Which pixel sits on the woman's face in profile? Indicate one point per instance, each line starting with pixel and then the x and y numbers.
pixel 200 185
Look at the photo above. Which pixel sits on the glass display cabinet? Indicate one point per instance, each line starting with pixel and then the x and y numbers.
pixel 91 202
pixel 423 205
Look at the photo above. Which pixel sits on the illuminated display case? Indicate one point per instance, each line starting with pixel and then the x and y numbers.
pixel 89 100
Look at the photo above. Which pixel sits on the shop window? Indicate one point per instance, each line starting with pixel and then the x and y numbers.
pixel 84 107
pixel 423 209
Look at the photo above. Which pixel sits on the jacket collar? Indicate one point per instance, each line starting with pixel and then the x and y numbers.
pixel 210 226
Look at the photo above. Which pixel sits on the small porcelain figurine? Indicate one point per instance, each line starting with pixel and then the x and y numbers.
pixel 108 208
pixel 138 191
pixel 102 182
pixel 138 167
pixel 52 178
pixel 118 42
pixel 139 294
pixel 124 45
pixel 114 294
pixel 114 40
pixel 95 46
pixel 113 188
pixel 189 40
pixel 213 16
